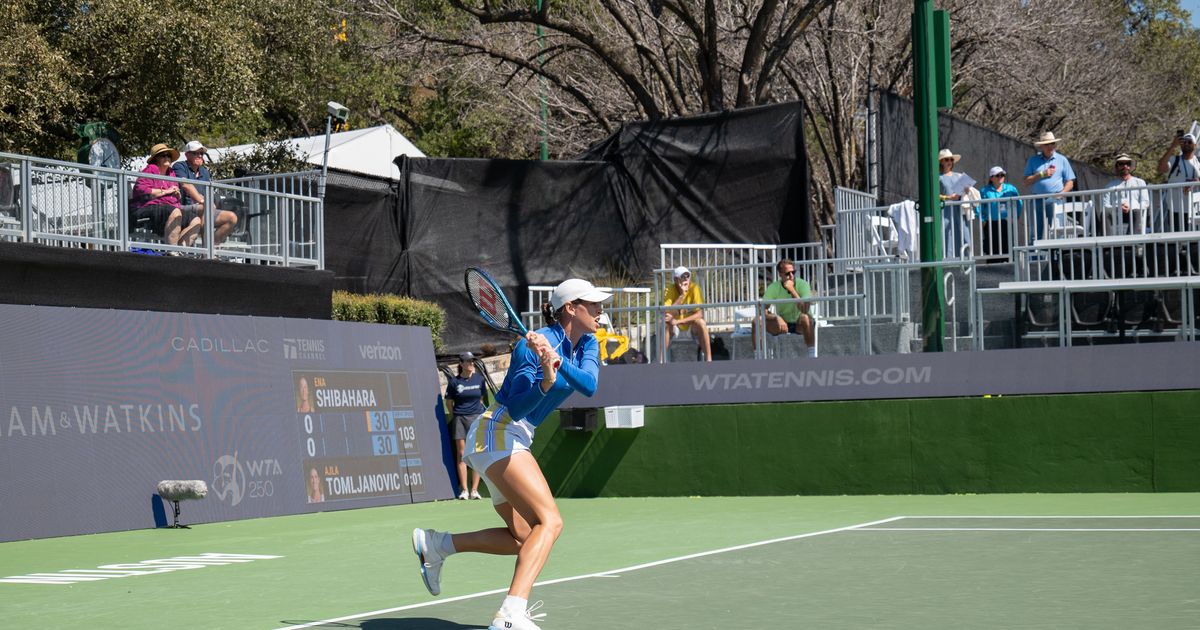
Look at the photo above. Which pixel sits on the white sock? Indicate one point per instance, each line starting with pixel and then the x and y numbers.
pixel 446 545
pixel 513 605
pixel 812 352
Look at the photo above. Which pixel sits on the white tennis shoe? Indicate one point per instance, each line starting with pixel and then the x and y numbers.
pixel 522 620
pixel 427 546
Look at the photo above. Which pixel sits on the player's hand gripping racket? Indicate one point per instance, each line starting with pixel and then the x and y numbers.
pixel 493 306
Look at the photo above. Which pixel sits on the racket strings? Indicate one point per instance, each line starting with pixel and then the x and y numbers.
pixel 486 299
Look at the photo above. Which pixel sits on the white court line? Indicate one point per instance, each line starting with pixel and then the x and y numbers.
pixel 612 573
pixel 976 516
pixel 1024 529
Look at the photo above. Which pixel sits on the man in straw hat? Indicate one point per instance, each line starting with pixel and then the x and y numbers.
pixel 1047 172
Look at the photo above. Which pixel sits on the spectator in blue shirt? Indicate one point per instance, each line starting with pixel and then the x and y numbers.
pixel 994 214
pixel 1047 172
pixel 192 168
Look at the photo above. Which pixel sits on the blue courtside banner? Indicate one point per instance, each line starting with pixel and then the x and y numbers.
pixel 277 416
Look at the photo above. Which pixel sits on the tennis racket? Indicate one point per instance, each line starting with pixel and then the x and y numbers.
pixel 495 309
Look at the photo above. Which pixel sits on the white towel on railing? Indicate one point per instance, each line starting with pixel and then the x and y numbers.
pixel 908 229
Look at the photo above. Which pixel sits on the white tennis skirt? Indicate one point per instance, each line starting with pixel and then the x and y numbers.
pixel 493 437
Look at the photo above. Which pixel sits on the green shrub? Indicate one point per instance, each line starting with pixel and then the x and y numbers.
pixel 386 308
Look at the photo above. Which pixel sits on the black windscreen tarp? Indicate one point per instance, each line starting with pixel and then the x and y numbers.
pixel 735 177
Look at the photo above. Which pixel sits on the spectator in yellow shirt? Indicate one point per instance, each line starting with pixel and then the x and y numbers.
pixel 681 292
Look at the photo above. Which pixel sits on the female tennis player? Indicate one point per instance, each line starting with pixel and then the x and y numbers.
pixel 498 448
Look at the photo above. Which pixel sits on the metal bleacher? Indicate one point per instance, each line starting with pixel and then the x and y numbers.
pixel 67 204
pixel 1095 276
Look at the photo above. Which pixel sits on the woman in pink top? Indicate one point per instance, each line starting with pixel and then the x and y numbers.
pixel 157 200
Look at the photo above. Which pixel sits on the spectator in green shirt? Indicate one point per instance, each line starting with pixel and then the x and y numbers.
pixel 789 317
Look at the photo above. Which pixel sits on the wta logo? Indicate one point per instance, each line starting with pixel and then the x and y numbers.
pixel 229 479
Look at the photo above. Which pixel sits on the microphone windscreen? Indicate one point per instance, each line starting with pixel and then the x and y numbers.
pixel 175 490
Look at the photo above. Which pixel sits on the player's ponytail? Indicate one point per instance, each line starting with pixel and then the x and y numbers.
pixel 548 314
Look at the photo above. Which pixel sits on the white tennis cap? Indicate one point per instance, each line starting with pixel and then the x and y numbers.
pixel 576 289
pixel 996 170
pixel 680 270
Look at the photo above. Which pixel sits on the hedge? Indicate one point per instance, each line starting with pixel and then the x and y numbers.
pixel 374 308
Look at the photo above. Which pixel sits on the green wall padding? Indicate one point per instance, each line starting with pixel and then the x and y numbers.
pixel 1128 442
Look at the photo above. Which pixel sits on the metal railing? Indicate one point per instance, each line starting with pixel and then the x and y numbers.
pixel 895 277
pixel 75 205
pixel 862 228
pixel 625 315
pixel 1070 309
pixel 1162 255
pixel 989 229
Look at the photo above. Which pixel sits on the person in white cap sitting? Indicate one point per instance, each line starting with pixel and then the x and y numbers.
pixel 680 292
pixel 192 168
pixel 1047 172
pixel 547 366
pixel 1179 168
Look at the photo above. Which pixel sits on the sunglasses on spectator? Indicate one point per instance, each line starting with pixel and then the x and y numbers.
pixel 686 276
pixel 788 273
pixel 999 175
pixel 1126 164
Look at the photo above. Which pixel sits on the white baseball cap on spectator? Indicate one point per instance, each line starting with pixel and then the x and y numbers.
pixel 996 170
pixel 1187 137
pixel 576 289
pixel 195 147
pixel 681 271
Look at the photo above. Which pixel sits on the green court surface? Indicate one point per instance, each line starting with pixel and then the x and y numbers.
pixel 962 561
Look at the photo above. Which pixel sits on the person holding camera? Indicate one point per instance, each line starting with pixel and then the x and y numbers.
pixel 1180 165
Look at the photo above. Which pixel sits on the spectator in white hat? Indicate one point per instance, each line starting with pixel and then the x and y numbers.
pixel 680 292
pixel 993 215
pixel 956 230
pixel 1047 172
pixel 192 168
pixel 1179 168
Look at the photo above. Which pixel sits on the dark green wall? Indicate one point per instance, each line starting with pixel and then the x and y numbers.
pixel 1130 442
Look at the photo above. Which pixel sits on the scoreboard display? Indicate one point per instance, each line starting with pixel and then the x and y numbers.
pixel 358 435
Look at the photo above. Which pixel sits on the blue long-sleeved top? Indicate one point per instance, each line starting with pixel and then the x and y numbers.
pixel 991 210
pixel 522 393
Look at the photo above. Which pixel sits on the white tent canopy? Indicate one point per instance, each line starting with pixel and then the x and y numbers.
pixel 367 151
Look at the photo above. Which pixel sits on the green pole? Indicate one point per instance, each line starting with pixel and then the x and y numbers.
pixel 933 309
pixel 545 148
